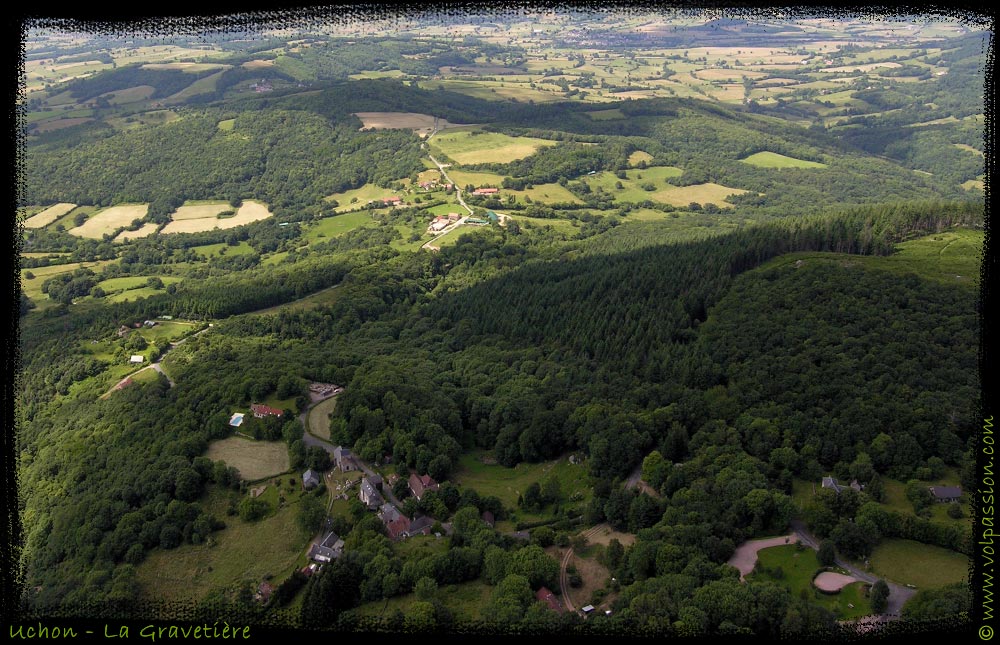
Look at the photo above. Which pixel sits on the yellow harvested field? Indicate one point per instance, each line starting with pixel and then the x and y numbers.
pixel 254 459
pixel 638 156
pixel 250 211
pixel 129 95
pixel 420 123
pixel 199 211
pixel 709 193
pixel 257 64
pixel 192 68
pixel 147 229
pixel 734 75
pixel 110 219
pixel 859 68
pixel 49 215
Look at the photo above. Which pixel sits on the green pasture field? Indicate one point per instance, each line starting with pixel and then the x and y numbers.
pixel 465 147
pixel 775 160
pixel 338 225
pixel 798 567
pixel 923 565
pixel 507 483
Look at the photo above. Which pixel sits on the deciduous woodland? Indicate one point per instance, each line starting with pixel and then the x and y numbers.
pixel 721 286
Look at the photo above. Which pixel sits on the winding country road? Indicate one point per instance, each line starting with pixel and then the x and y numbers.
pixel 458 194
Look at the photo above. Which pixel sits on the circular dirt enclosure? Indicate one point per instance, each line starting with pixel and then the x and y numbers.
pixel 831 582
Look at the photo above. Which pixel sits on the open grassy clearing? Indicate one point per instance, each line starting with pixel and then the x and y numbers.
pixel 563 225
pixel 109 220
pixel 495 91
pixel 974 184
pixel 254 459
pixel 59 124
pixel 227 124
pixel 325 297
pixel 338 225
pixel 129 95
pixel 465 601
pixel 422 124
pixel 200 86
pixel 710 193
pixel 134 294
pixel 463 178
pixel 968 148
pixel 199 210
pixel 508 483
pixel 926 566
pixel 153 117
pixel 32 287
pixel 359 197
pixel 250 211
pixel 167 331
pixel 241 554
pixel 49 215
pixel 215 250
pixel 606 115
pixel 775 160
pixel 639 156
pixel 319 418
pixel 798 564
pixel 481 147
pixel 132 282
pixel 145 230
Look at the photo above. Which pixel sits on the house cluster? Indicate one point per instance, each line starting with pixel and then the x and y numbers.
pixel 486 191
pixel 942 494
pixel 261 87
pixel 443 221
pixel 260 411
pixel 398 526
pixel 831 483
pixel 329 548
pixel 433 184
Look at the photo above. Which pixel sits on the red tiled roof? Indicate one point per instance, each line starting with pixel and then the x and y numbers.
pixel 260 408
pixel 549 598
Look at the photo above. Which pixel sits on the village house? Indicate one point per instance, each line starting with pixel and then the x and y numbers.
pixel 310 479
pixel 419 484
pixel 946 494
pixel 439 224
pixel 260 411
pixel 831 483
pixel 454 217
pixel 420 526
pixel 343 459
pixel 486 191
pixel 369 495
pixel 549 598
pixel 329 548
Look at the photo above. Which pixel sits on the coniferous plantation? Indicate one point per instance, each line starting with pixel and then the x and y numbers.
pixel 571 323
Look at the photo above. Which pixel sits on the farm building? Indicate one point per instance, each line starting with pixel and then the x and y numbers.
pixel 149 323
pixel 343 459
pixel 329 548
pixel 454 217
pixel 486 191
pixel 260 411
pixel 368 494
pixel 549 598
pixel 421 483
pixel 310 479
pixel 439 224
pixel 392 201
pixel 946 494
pixel 136 358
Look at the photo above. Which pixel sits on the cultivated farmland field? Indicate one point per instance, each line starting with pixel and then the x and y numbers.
pixel 108 220
pixel 709 193
pixel 49 215
pixel 420 123
pixel 254 459
pixel 250 211
pixel 146 230
pixel 199 211
pixel 483 147
pixel 775 160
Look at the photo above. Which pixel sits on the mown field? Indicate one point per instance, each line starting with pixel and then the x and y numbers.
pixel 465 601
pixel 481 147
pixel 507 483
pixel 49 215
pixel 250 211
pixel 145 230
pixel 319 417
pixel 775 160
pixel 358 197
pixel 923 565
pixel 338 225
pixel 254 459
pixel 109 220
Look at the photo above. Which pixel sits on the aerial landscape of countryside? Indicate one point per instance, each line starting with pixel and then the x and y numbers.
pixel 530 320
